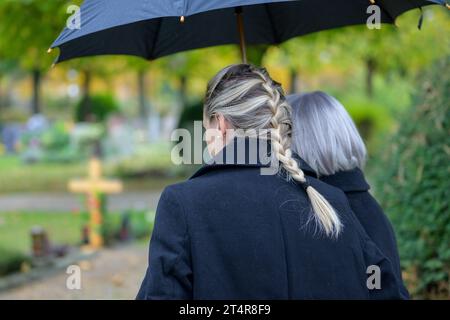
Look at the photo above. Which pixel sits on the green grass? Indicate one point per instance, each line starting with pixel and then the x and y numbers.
pixel 16 176
pixel 62 229
pixel 15 239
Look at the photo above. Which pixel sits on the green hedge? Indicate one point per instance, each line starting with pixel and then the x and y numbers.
pixel 100 106
pixel 412 181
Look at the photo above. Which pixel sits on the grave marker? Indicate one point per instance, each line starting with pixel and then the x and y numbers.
pixel 94 186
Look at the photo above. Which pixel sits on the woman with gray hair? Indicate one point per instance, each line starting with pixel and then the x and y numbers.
pixel 330 147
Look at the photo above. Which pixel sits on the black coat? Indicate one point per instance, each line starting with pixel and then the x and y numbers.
pixel 366 209
pixel 231 233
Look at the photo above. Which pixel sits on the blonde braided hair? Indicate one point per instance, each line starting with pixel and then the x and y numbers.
pixel 249 99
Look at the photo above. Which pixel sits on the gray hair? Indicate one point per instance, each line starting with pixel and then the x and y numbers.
pixel 325 135
pixel 250 99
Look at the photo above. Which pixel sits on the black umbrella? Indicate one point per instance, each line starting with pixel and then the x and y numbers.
pixel 152 29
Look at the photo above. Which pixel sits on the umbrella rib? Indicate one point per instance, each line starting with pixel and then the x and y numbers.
pixel 272 25
pixel 386 12
pixel 155 39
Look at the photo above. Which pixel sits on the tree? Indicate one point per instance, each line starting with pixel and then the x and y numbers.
pixel 414 188
pixel 393 50
pixel 305 54
pixel 28 28
pixel 6 67
pixel 141 68
pixel 104 67
pixel 142 93
pixel 399 48
pixel 192 66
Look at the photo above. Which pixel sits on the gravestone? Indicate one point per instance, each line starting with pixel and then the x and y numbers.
pixel 40 244
pixel 10 136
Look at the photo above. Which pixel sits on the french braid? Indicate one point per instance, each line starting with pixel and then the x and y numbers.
pixel 248 98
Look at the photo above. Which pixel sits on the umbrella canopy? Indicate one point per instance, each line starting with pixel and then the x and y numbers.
pixel 152 29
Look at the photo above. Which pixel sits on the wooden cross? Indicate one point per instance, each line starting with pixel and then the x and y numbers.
pixel 93 186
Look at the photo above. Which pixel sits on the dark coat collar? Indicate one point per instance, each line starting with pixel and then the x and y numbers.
pixel 222 159
pixel 347 181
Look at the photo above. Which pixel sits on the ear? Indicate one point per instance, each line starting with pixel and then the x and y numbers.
pixel 223 124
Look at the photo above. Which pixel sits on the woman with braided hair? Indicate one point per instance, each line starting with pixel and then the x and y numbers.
pixel 250 224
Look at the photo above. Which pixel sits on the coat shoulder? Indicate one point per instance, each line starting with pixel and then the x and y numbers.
pixel 249 180
pixel 334 195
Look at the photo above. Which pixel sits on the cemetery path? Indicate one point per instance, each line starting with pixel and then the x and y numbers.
pixel 115 273
pixel 67 202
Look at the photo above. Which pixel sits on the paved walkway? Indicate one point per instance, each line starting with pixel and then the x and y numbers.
pixel 66 202
pixel 113 274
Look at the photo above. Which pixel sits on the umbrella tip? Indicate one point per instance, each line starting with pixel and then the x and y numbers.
pixel 49 50
pixel 182 19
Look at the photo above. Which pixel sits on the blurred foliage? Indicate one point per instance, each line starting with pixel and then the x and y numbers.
pixel 63 228
pixel 139 224
pixel 61 142
pixel 15 177
pixel 332 58
pixel 54 145
pixel 28 28
pixel 53 177
pixel 13 114
pixel 402 49
pixel 414 187
pixel 15 239
pixel 148 160
pixel 372 119
pixel 25 41
pixel 190 113
pixel 11 261
pixel 99 107
pixel 56 137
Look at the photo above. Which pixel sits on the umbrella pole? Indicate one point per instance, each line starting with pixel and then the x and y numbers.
pixel 240 26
